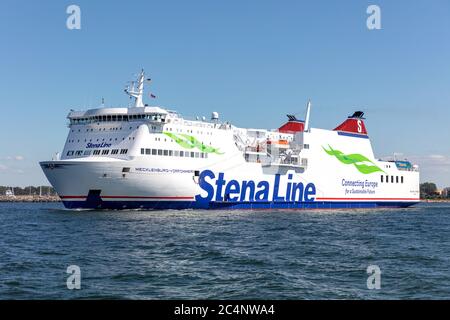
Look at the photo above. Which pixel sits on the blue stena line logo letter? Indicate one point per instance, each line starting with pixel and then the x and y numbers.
pixel 98 145
pixel 219 189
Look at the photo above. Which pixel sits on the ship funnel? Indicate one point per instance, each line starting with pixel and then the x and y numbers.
pixel 353 125
pixel 292 126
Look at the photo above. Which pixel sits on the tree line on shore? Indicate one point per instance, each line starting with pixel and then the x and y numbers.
pixel 429 190
pixel 29 190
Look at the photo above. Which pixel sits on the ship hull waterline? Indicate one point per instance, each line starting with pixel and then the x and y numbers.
pixel 76 193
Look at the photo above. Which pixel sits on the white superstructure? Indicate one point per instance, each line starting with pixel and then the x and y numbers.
pixel 150 157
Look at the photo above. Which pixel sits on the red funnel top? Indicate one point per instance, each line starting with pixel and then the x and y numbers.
pixel 354 124
pixel 292 126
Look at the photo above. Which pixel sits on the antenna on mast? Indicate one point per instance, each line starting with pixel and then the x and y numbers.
pixel 137 93
pixel 308 111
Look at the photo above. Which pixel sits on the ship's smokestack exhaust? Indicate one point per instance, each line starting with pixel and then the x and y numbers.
pixel 354 124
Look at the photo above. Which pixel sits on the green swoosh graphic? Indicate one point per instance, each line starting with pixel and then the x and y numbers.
pixel 356 159
pixel 189 142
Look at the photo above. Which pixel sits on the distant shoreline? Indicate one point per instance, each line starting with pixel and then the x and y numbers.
pixel 435 200
pixel 28 198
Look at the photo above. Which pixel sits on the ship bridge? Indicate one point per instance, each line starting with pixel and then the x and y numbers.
pixel 156 114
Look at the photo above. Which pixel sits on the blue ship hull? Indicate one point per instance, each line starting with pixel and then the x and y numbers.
pixel 181 205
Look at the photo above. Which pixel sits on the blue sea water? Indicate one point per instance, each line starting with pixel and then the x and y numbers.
pixel 224 254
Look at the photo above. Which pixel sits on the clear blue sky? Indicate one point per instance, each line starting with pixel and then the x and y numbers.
pixel 252 61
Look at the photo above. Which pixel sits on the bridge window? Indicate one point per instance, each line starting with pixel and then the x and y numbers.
pixel 124 151
pixel 96 152
pixel 104 152
pixel 115 151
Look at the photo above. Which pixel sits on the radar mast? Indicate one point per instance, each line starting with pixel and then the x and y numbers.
pixel 137 93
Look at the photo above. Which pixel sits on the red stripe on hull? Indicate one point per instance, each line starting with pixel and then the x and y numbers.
pixel 130 197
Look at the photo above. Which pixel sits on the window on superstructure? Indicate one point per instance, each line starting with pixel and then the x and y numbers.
pixel 69 153
pixel 96 152
pixel 392 179
pixel 105 152
pixel 142 151
pixel 382 178
pixel 401 179
pixel 115 151
pixel 166 152
pixel 79 153
pixel 87 152
pixel 124 151
pixel 387 179
pixel 192 154
pixel 159 152
pixel 170 153
pixel 147 151
pixel 176 153
pixel 197 154
pixel 181 153
pixel 396 179
pixel 154 152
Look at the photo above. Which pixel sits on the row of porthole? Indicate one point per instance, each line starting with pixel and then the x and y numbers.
pixel 90 140
pixel 392 179
pixel 96 152
pixel 173 153
pixel 104 129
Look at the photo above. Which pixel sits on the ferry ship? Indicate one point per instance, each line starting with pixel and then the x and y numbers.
pixel 149 157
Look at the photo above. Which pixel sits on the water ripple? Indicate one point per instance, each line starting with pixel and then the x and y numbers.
pixel 320 254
